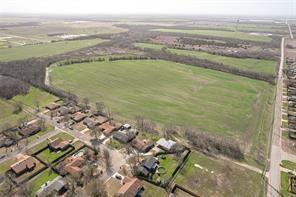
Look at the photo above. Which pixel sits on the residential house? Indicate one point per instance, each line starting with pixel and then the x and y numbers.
pixel 56 186
pixel 142 145
pixel 29 130
pixel 63 111
pixel 125 136
pixel 107 128
pixel 52 106
pixel 148 166
pixel 131 187
pixel 78 116
pixel 165 145
pixel 101 119
pixel 73 164
pixel 27 163
pixel 90 122
pixel 58 145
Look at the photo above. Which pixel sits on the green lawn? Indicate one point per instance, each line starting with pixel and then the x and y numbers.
pixel 34 97
pixel 249 64
pixel 8 118
pixel 46 175
pixel 40 50
pixel 215 177
pixel 166 92
pixel 43 144
pixel 48 156
pixel 152 190
pixel 115 144
pixel 169 163
pixel 4 166
pixel 288 164
pixel 219 33
pixel 285 188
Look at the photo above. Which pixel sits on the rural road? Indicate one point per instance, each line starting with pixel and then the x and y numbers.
pixel 275 153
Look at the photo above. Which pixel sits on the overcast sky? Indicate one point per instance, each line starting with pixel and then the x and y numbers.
pixel 196 7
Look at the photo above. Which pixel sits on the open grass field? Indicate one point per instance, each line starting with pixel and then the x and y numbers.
pixel 4 166
pixel 249 64
pixel 288 164
pixel 43 50
pixel 35 97
pixel 7 117
pixel 211 177
pixel 166 92
pixel 226 34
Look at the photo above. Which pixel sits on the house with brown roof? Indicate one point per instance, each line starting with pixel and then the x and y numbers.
pixel 78 116
pixel 29 130
pixel 107 128
pixel 27 163
pixel 101 119
pixel 90 122
pixel 130 188
pixel 52 106
pixel 58 145
pixel 73 164
pixel 142 145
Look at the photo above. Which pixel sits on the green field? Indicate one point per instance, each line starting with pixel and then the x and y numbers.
pixel 211 177
pixel 249 64
pixel 35 97
pixel 218 33
pixel 166 92
pixel 43 50
pixel 288 164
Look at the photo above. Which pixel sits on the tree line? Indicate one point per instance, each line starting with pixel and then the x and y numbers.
pixel 204 63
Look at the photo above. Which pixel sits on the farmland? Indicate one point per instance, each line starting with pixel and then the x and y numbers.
pixel 44 50
pixel 226 34
pixel 264 66
pixel 196 99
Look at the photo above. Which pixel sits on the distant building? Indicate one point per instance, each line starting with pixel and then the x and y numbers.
pixel 27 163
pixel 142 145
pixel 90 122
pixel 63 111
pixel 57 186
pixel 165 144
pixel 101 119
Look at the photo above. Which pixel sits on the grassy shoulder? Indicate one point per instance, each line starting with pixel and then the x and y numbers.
pixel 285 187
pixel 213 177
pixel 44 50
pixel 288 164
pixel 249 64
pixel 219 33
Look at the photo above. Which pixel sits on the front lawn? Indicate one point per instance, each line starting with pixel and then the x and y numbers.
pixel 46 175
pixel 288 164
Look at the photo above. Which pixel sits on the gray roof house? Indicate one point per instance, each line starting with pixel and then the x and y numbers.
pixel 165 144
pixel 57 185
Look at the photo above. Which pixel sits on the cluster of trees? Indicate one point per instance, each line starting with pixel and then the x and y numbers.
pixel 214 144
pixel 166 55
pixel 77 61
pixel 198 41
pixel 10 87
pixel 128 58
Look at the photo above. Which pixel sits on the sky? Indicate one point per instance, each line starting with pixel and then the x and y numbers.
pixel 184 7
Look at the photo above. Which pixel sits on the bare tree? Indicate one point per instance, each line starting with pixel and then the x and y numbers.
pixel 37 104
pixel 96 188
pixel 100 107
pixel 18 107
pixel 107 159
pixel 85 101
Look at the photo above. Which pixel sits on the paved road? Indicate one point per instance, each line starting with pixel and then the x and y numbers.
pixel 291 34
pixel 275 154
